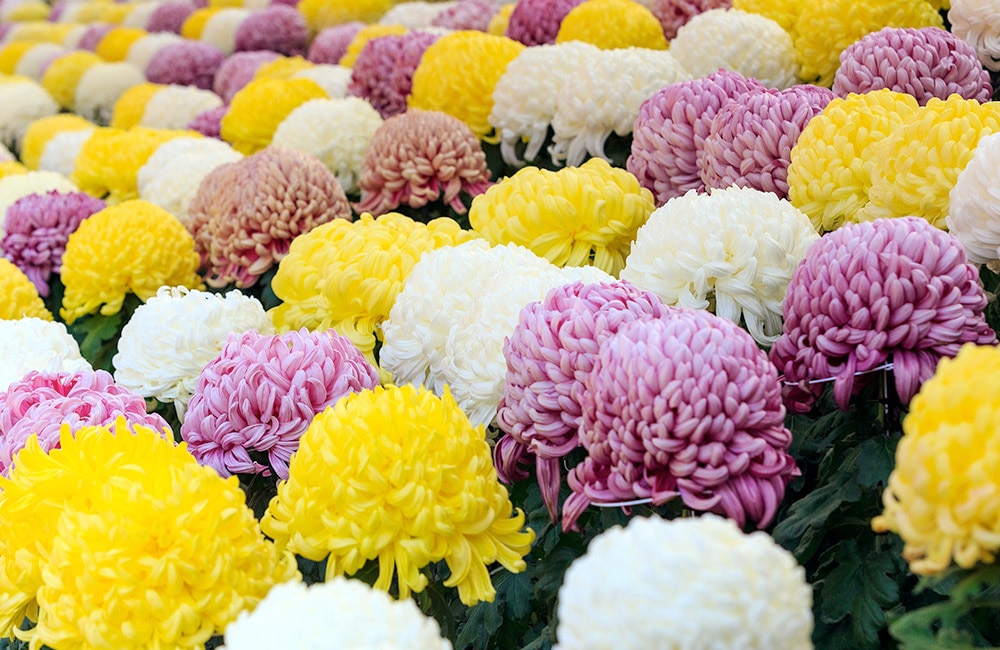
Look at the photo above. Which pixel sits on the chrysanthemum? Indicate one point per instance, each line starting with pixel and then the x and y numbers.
pixel 133 247
pixel 414 14
pixel 194 24
pixel 237 71
pixel 784 12
pixel 674 14
pixel 63 74
pixel 918 300
pixel 466 14
pixel 113 46
pixel 424 490
pixel 101 86
pixel 41 132
pixel 320 14
pixel 365 36
pixel 940 497
pixel 22 101
pixel 221 27
pixel 143 50
pixel 383 73
pixel 283 67
pixel 331 43
pixel 209 123
pixel 536 22
pixel 17 186
pixel 174 107
pixel 977 23
pixel 28 59
pixel 131 105
pixel 973 214
pixel 612 24
pixel 92 37
pixel 188 63
pixel 279 28
pixel 750 44
pixel 282 382
pixel 21 299
pixel 333 79
pixel 30 343
pixel 658 583
pixel 259 107
pixel 170 17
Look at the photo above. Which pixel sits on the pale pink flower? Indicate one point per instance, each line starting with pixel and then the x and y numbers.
pixel 383 73
pixel 674 14
pixel 279 28
pixel 330 45
pixel 237 71
pixel 187 63
pixel 467 14
pixel 169 17
pixel 536 22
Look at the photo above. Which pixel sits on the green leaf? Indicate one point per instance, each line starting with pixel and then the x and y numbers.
pixel 874 462
pixel 859 586
pixel 517 596
pixel 483 622
pixel 93 332
pixel 802 529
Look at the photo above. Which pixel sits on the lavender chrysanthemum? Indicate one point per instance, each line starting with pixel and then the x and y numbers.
pixel 330 45
pixel 383 73
pixel 189 63
pixel 237 71
pixel 467 14
pixel 536 22
pixel 169 17
pixel 209 123
pixel 674 14
pixel 279 28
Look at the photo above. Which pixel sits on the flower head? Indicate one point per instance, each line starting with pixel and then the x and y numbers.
pixel 278 28
pixel 169 17
pixel 41 132
pixel 282 382
pixel 663 583
pixel 221 27
pixel 536 22
pixel 684 406
pixel 259 107
pixel 414 14
pixel 321 15
pixel 209 123
pixel 60 153
pixel 21 299
pixel 612 24
pixel 784 12
pixel 113 46
pixel 330 44
pixel 101 86
pixel 62 76
pixel 283 67
pixel 977 23
pixel 17 186
pixel 422 491
pixel 188 63
pixel 674 14
pixel 131 105
pixel 237 71
pixel 173 107
pixel 29 344
pixel 466 14
pixel 143 50
pixel 333 79
pixel 973 214
pixel 914 301
pixel 383 73
pixel 22 101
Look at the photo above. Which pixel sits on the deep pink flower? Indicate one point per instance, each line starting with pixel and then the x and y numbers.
pixel 261 392
pixel 330 45
pixel 37 228
pixel 237 71
pixel 188 63
pixel 671 128
pixel 279 28
pixel 467 14
pixel 93 36
pixel 169 17
pixel 673 14
pixel 685 406
pixel 209 123
pixel 927 62
pixel 896 290
pixel 383 72
pixel 536 22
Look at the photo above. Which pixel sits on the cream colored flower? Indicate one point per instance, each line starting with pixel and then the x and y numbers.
pixel 30 344
pixel 101 86
pixel 174 107
pixel 21 102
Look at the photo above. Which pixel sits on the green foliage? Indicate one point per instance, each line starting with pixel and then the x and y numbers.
pixel 967 619
pixel 98 334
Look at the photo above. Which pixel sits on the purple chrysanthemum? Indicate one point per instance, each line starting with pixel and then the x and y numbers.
pixel 169 17
pixel 467 14
pixel 536 22
pixel 188 63
pixel 673 14
pixel 383 73
pixel 279 28
pixel 93 36
pixel 237 71
pixel 209 123
pixel 330 45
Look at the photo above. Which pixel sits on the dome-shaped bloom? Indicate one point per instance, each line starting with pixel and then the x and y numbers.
pixel 37 228
pixel 336 131
pixel 536 22
pixel 333 79
pixel 750 140
pixel 918 300
pixel 977 23
pixel 127 515
pixel 917 166
pixel 246 213
pixel 321 15
pixel 143 50
pixel 131 106
pixel 457 75
pixel 169 17
pixel 283 67
pixel 825 28
pixel 61 151
pixel 168 340
pixel 347 276
pixel 674 14
pixel 671 128
pixel 237 71
pixel 139 14
pixel 612 24
pixel 549 354
pixel 341 613
pixel 32 63
pixel 466 14
pixel 750 44
pixel 927 62
pixel 383 73
pixel 209 123
pixel 62 76
pixel 41 132
pixel 221 27
pixel 21 299
pixel 279 28
pixel 939 494
pixel 10 55
pixel 22 101
pixel 659 583
pixel 973 214
pixel 113 46
pixel 830 168
pixel 423 490
pixel 282 382
pixel 12 168
pixel 28 344
pixel 174 107
pixel 93 36
pixel 685 406
pixel 365 36
pixel 194 25
pixel 188 63
pixel 133 247
pixel 572 217
pixel 414 14
pixel 330 45
pixel 784 12
pixel 17 186
pixel 419 157
pixel 259 107
pixel 732 251
pixel 101 86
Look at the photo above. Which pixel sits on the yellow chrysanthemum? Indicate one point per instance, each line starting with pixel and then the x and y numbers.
pixel 89 12
pixel 27 11
pixel 943 496
pixel 458 73
pixel 320 14
pixel 260 106
pixel 500 20
pixel 115 44
pixel 115 13
pixel 225 4
pixel 283 67
pixel 12 168
pixel 63 75
pixel 612 24
pixel 831 162
pixel 126 541
pixel 11 54
pixel 194 24
pixel 18 296
pixel 131 106
pixel 43 130
pixel 422 490
pixel 826 27
pixel 577 216
pixel 133 247
pixel 784 12
pixel 918 164
pixel 362 37
pixel 346 275
pixel 38 31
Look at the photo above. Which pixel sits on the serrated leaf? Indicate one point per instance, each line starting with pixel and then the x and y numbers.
pixel 875 460
pixel 483 622
pixel 801 530
pixel 859 586
pixel 518 596
pixel 550 573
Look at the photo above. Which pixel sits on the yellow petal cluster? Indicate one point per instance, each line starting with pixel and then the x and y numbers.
pixel 346 275
pixel 12 168
pixel 115 44
pixel 784 12
pixel 125 541
pixel 63 76
pixel 577 216
pixel 943 496
pixel 320 14
pixel 194 24
pixel 133 247
pixel 131 106
pixel 918 164
pixel 18 296
pixel 259 107
pixel 41 131
pixel 612 24
pixel 283 67
pixel 402 476
pixel 28 11
pixel 366 34
pixel 500 20
pixel 458 73
pixel 10 55
pixel 39 31
pixel 832 160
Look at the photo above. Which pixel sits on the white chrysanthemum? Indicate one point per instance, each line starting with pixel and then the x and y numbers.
pixel 336 131
pixel 414 15
pixel 333 79
pixel 172 337
pixel 143 50
pixel 173 107
pixel 691 582
pixel 732 251
pixel 750 44
pixel 140 14
pixel 220 29
pixel 22 101
pixel 340 613
pixel 524 100
pixel 30 344
pixel 71 13
pixel 34 60
pixel 75 34
pixel 13 188
pixel 977 22
pixel 974 211
pixel 101 86
pixel 605 98
pixel 61 151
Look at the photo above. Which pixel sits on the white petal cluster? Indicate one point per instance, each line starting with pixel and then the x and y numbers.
pixel 101 86
pixel 30 344
pixel 174 106
pixel 977 22
pixel 415 14
pixel 750 44
pixel 61 150
pixel 144 49
pixel 333 79
pixel 15 187
pixel 974 203
pixel 22 101
pixel 339 613
pixel 732 251
pixel 220 29
pixel 34 60
pixel 687 583
pixel 140 14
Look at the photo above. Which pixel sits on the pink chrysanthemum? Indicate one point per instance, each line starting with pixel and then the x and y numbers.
pixel 467 14
pixel 237 71
pixel 280 382
pixel 209 123
pixel 383 73
pixel 169 17
pixel 674 14
pixel 896 290
pixel 750 141
pixel 93 36
pixel 671 128
pixel 550 352
pixel 40 403
pixel 418 157
pixel 279 28
pixel 188 63
pixel 685 406
pixel 330 45
pixel 536 22
pixel 37 228
pixel 246 214
pixel 927 62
